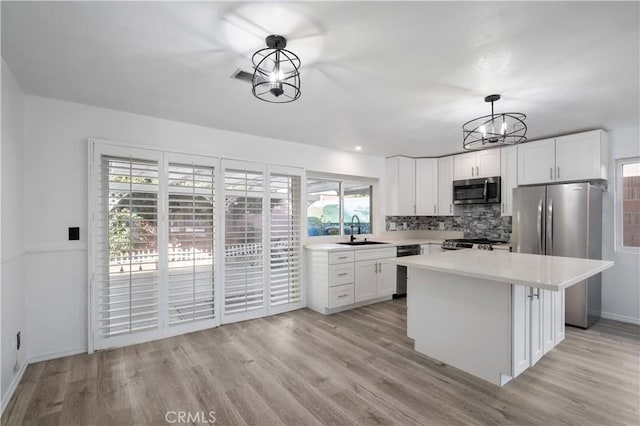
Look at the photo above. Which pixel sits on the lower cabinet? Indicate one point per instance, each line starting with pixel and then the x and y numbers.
pixel 374 279
pixel 338 280
pixel 538 324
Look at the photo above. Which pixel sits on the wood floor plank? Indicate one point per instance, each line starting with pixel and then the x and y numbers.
pixel 354 367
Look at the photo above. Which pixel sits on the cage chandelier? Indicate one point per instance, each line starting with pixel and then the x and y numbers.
pixel 506 128
pixel 276 75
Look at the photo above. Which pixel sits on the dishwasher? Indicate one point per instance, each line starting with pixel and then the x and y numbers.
pixel 401 277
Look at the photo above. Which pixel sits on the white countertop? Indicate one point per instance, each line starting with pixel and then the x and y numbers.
pixel 390 243
pixel 547 272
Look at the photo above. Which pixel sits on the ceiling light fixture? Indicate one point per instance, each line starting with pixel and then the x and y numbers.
pixel 358 148
pixel 507 128
pixel 276 75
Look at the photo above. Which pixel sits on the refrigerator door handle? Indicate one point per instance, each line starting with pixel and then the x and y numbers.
pixel 485 191
pixel 550 228
pixel 539 227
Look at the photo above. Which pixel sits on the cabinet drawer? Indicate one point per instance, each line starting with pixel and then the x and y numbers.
pixel 340 257
pixel 341 295
pixel 340 274
pixel 373 254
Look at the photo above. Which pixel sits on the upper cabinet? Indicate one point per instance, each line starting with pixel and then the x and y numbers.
pixel 582 156
pixel 477 164
pixel 536 161
pixel 426 186
pixel 509 169
pixel 401 186
pixel 445 186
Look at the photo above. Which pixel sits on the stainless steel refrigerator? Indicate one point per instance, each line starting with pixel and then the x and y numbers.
pixel 563 220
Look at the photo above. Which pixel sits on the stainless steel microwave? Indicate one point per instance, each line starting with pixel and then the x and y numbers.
pixel 477 191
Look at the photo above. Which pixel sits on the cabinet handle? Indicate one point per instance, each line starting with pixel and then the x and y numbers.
pixel 502 207
pixel 421 251
pixel 537 295
pixel 551 173
pixel 342 257
pixel 471 171
pixel 450 208
pixel 477 171
pixel 558 173
pixel 342 295
pixel 434 209
pixel 414 209
pixel 380 267
pixel 530 295
pixel 344 274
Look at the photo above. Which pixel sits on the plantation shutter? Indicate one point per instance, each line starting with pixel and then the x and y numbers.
pixel 244 263
pixel 190 251
pixel 285 243
pixel 127 277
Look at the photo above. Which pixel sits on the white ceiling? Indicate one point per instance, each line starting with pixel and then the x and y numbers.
pixel 395 78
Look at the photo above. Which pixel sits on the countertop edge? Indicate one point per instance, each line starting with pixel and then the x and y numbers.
pixel 479 275
pixel 388 243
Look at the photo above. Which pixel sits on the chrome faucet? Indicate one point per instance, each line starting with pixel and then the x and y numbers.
pixel 355 216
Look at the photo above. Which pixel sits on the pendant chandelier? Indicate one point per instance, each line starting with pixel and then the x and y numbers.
pixel 276 75
pixel 507 128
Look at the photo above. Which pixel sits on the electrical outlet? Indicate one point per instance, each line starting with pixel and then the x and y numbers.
pixel 404 225
pixel 441 226
pixel 392 226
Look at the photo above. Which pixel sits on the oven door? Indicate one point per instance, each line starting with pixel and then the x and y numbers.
pixel 477 191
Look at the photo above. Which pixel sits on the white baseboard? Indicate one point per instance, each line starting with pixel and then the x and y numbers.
pixel 56 354
pixel 13 386
pixel 621 318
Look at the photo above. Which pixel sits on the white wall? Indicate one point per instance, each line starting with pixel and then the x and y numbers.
pixel 621 284
pixel 12 250
pixel 56 184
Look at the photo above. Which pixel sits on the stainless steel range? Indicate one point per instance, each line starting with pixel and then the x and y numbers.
pixel 475 243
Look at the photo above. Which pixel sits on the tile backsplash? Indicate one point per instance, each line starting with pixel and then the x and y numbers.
pixel 476 221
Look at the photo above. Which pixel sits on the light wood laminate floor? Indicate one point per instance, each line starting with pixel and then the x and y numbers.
pixel 356 367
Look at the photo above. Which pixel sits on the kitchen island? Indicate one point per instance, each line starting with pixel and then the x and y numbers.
pixel 491 314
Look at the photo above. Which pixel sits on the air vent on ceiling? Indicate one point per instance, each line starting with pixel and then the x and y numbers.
pixel 242 75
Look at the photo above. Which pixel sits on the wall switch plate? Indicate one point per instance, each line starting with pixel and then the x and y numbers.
pixel 74 234
pixel 441 226
pixel 392 226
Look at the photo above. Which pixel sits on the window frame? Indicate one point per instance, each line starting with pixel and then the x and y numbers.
pixel 342 180
pixel 619 208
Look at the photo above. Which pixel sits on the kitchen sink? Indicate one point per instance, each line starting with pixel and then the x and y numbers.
pixel 361 243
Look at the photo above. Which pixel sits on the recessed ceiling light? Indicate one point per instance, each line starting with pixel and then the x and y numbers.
pixel 358 148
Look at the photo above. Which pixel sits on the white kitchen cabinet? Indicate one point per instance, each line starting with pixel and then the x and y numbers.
pixel 445 186
pixel 536 317
pixel 547 321
pixel 581 156
pixel 426 186
pixel 400 186
pixel 509 178
pixel 366 276
pixel 374 278
pixel 343 279
pixel 386 280
pixel 537 347
pixel 464 166
pixel 536 162
pixel 479 164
